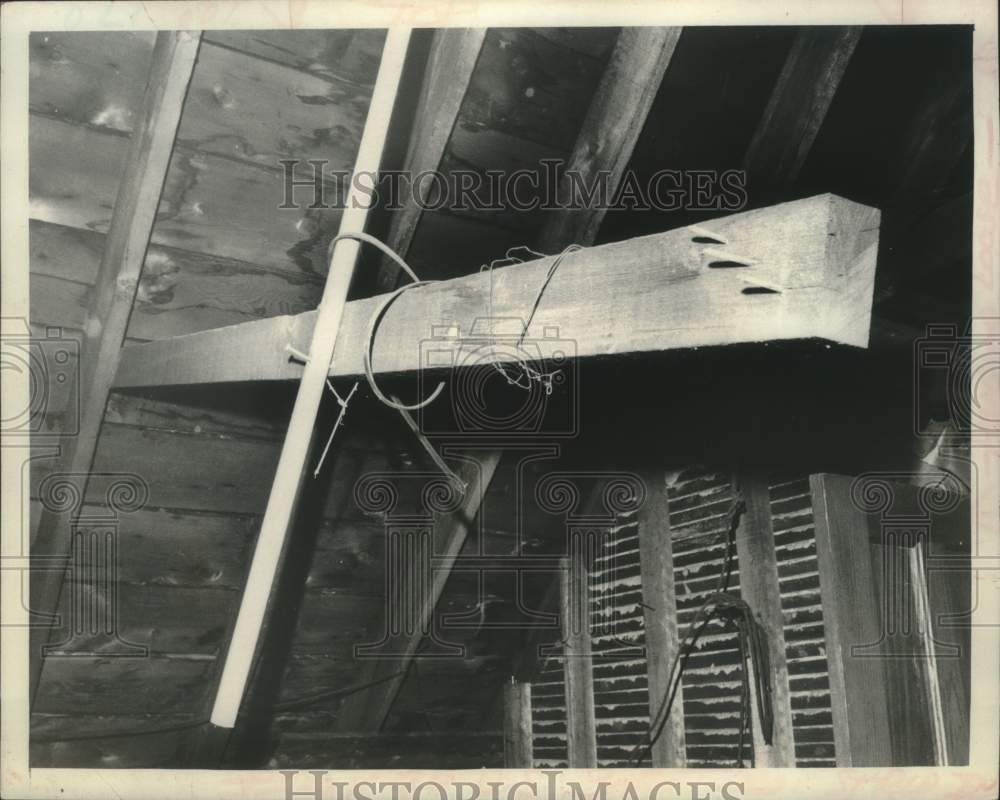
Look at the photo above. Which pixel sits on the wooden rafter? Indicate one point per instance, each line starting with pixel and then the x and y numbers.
pixel 452 59
pixel 797 270
pixel 367 711
pixel 612 126
pixel 798 105
pixel 152 142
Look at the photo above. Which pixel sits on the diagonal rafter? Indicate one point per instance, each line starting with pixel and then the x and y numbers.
pixel 614 120
pixel 152 142
pixel 452 59
pixel 797 107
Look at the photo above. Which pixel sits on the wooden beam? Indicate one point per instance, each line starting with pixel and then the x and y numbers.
pixel 759 588
pixel 611 128
pixel 581 720
pixel 517 736
pixel 452 59
pixel 852 618
pixel 365 712
pixel 809 273
pixel 151 144
pixel 797 107
pixel 656 563
pixel 289 474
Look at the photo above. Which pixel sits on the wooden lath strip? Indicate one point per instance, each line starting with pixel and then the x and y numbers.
pixel 452 59
pixel 152 142
pixel 798 105
pixel 295 450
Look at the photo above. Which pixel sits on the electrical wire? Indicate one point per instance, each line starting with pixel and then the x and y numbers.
pixel 708 609
pixel 370 339
pixel 378 244
pixel 373 323
pixel 744 705
pixel 528 374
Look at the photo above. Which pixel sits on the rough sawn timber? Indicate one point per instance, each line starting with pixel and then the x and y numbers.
pixel 797 270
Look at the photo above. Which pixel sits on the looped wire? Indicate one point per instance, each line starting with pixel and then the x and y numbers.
pixel 370 339
pixel 373 323
pixel 527 373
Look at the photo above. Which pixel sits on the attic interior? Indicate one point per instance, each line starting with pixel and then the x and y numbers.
pixel 736 449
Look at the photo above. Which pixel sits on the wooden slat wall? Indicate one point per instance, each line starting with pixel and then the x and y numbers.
pixel 548 714
pixel 389 751
pixel 699 501
pixel 243 114
pixel 802 608
pixel 618 636
pixel 222 253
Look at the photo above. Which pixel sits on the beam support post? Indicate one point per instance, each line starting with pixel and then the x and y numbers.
pixel 581 721
pixel 656 563
pixel 759 588
pixel 517 736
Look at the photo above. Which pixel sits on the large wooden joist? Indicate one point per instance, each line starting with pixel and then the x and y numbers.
pixel 797 270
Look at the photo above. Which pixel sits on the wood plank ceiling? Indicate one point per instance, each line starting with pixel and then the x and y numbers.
pixel 222 253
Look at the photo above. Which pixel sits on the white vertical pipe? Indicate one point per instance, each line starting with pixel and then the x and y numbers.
pixel 295 450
